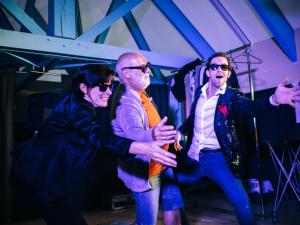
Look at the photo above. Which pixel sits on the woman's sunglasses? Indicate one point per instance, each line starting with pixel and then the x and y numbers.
pixel 103 87
pixel 223 67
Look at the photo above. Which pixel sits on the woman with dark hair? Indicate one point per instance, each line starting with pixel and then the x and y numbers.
pixel 46 166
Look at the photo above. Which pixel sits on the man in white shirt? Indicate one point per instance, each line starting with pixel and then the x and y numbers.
pixel 212 144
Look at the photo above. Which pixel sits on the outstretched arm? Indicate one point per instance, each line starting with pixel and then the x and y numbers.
pixel 285 95
pixel 154 151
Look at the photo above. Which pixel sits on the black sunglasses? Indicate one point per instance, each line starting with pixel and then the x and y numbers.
pixel 223 67
pixel 142 68
pixel 103 87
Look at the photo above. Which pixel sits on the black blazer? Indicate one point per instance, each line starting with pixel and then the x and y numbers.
pixel 63 148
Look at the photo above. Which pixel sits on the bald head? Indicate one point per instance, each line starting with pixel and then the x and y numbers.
pixel 134 78
pixel 125 60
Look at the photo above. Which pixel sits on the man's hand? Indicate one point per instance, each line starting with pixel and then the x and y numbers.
pixel 284 95
pixel 161 131
pixel 177 145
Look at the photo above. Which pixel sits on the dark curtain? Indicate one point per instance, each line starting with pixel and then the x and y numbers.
pixel 160 95
pixel 277 127
pixel 6 141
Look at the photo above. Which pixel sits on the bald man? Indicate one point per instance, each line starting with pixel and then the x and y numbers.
pixel 136 117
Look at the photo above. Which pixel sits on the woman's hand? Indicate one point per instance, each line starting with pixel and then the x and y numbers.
pixel 161 131
pixel 154 151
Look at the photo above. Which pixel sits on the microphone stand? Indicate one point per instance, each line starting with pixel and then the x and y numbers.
pixel 259 166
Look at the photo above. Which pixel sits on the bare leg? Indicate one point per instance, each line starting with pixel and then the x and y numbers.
pixel 172 217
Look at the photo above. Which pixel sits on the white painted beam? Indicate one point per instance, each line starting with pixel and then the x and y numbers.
pixel 15 41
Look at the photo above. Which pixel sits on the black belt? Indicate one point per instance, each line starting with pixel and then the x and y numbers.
pixel 205 150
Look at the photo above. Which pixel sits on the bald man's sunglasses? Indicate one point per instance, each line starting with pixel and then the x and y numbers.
pixel 142 68
pixel 223 67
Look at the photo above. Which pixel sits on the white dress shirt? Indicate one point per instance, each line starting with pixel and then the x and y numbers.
pixel 204 134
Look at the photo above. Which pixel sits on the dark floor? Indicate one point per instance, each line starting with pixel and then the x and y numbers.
pixel 213 208
pixel 205 208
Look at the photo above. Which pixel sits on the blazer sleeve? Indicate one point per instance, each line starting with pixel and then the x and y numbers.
pixel 250 108
pixel 82 118
pixel 188 125
pixel 131 121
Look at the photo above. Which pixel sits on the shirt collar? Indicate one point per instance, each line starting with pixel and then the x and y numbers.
pixel 219 92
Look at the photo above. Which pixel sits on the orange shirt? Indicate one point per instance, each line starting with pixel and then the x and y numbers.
pixel 153 118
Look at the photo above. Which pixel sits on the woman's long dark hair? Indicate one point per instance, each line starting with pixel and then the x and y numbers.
pixel 91 75
pixel 120 90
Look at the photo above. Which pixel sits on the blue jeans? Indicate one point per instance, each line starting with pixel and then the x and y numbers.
pixel 213 165
pixel 147 202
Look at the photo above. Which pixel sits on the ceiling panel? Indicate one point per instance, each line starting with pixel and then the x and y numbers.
pixel 119 35
pixel 245 16
pixel 210 24
pixel 291 11
pixel 160 33
pixel 162 37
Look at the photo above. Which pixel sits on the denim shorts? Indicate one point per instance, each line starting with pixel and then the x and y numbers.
pixel 170 192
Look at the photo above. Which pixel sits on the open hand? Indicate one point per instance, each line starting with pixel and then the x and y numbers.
pixel 156 153
pixel 285 95
pixel 161 131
